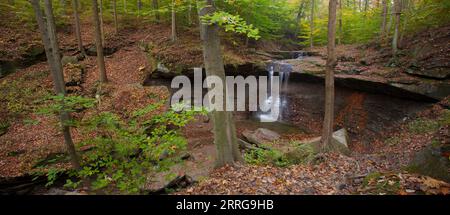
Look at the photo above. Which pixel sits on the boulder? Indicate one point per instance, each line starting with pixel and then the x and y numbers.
pixel 69 59
pixel 261 136
pixel 429 161
pixel 92 50
pixel 161 71
pixel 339 143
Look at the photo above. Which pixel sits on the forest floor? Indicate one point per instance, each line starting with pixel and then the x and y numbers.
pixel 30 138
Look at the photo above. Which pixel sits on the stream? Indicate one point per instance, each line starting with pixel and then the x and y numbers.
pixel 365 115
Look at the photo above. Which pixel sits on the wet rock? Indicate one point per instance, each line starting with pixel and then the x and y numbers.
pixel 437 73
pixel 34 51
pixel 261 136
pixel 6 67
pixel 56 191
pixel 165 185
pixel 92 50
pixel 161 71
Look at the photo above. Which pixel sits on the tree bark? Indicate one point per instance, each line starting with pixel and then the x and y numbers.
pixel 224 128
pixel 48 34
pixel 327 133
pixel 174 22
pixel 98 42
pixel 76 18
pixel 383 21
pixel 299 17
pixel 311 39
pixel 397 12
pixel 340 23
pixel 101 23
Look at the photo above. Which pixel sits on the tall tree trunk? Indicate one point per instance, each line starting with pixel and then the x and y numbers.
pixel 383 20
pixel 125 6
pixel 116 25
pixel 300 13
pixel 48 34
pixel 156 8
pixel 327 133
pixel 340 23
pixel 189 12
pixel 397 12
pixel 101 23
pixel 139 3
pixel 224 128
pixel 76 18
pixel 98 42
pixel 174 22
pixel 311 39
pixel 405 9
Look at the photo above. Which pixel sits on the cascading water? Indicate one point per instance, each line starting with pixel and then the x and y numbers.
pixel 276 102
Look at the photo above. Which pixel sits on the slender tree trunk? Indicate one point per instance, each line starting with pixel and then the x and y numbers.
pixel 139 3
pixel 340 23
pixel 189 12
pixel 174 22
pixel 327 133
pixel 77 27
pixel 224 128
pixel 406 7
pixel 311 39
pixel 391 18
pixel 48 34
pixel 156 8
pixel 125 6
pixel 366 5
pixel 397 13
pixel 98 42
pixel 116 25
pixel 299 17
pixel 383 21
pixel 101 23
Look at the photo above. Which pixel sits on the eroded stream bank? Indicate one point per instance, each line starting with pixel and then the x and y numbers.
pixel 366 113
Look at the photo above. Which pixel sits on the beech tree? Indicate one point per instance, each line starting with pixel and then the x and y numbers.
pixel 98 42
pixel 174 22
pixel 224 128
pixel 397 12
pixel 102 33
pixel 311 40
pixel 76 18
pixel 327 132
pixel 384 12
pixel 48 34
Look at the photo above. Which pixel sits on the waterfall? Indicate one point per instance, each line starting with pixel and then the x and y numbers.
pixel 283 70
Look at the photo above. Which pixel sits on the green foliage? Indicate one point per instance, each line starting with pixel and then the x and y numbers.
pixel 124 152
pixel 421 126
pixel 4 125
pixel 20 96
pixel 272 18
pixel 70 104
pixel 264 157
pixel 233 23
